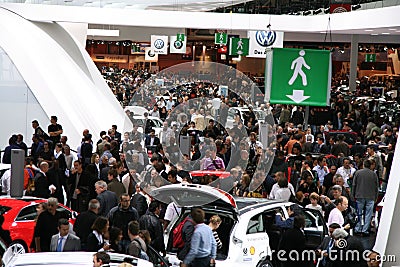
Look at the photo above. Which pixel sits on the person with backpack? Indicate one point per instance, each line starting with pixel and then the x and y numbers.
pixel 182 237
pixel 137 247
pixel 203 247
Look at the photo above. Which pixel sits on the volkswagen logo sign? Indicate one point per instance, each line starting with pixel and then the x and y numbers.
pixel 265 38
pixel 150 53
pixel 159 44
pixel 178 44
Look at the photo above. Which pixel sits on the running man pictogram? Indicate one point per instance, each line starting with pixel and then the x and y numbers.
pixel 239 45
pixel 297 65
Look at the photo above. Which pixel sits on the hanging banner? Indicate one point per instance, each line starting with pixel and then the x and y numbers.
pixel 149 55
pixel 177 46
pixel 259 40
pixel 159 44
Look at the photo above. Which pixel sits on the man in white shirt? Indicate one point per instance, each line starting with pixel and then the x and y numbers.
pixel 347 172
pixel 5 182
pixel 171 212
pixel 336 216
pixel 166 135
pixel 154 112
pixel 321 169
pixel 170 103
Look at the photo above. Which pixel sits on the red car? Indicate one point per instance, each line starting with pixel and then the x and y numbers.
pixel 19 217
pixel 205 176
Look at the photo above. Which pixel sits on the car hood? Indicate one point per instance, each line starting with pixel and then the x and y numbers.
pixel 194 195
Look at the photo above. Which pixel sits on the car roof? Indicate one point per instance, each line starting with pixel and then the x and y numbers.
pixel 18 203
pixel 69 259
pixel 246 204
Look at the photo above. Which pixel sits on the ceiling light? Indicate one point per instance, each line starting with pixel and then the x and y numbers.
pixel 385 33
pixel 369 30
pixel 355 7
pixel 374 34
pixel 327 10
pixel 306 13
pixel 392 29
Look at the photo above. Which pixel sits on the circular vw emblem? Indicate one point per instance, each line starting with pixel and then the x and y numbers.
pixel 150 54
pixel 178 44
pixel 265 38
pixel 159 44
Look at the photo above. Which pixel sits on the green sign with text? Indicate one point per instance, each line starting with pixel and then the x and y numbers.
pixel 298 76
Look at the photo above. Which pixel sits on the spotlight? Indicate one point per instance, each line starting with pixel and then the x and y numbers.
pixel 102 42
pixel 306 13
pixel 355 7
pixel 327 10
pixel 116 43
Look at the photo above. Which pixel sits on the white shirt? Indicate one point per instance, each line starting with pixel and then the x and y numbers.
pixel 335 216
pixel 346 174
pixel 171 211
pixel 281 193
pixel 6 181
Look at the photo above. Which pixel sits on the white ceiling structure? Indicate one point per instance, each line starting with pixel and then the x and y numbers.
pixel 380 25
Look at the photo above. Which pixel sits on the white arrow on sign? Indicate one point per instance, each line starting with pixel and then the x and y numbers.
pixel 298 96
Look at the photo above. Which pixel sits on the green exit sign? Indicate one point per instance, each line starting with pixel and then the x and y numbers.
pixel 370 57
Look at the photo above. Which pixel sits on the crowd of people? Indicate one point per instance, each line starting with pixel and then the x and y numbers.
pixel 109 180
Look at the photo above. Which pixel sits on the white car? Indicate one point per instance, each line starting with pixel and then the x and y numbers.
pixel 156 123
pixel 136 110
pixel 61 259
pixel 247 231
pixel 242 111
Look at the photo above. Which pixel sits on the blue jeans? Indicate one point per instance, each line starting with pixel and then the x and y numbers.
pixel 368 205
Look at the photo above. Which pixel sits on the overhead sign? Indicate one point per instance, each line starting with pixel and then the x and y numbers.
pixel 298 76
pixel 149 55
pixel 177 46
pixel 180 37
pixel 159 44
pixel 221 38
pixel 370 57
pixel 260 40
pixel 238 46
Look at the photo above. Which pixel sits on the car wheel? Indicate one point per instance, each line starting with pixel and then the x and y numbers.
pixel 18 247
pixel 264 263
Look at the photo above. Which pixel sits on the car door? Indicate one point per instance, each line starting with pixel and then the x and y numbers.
pixel 315 229
pixel 255 240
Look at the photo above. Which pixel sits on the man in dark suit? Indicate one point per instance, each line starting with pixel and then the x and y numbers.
pixel 107 199
pixel 139 201
pixel 41 181
pixel 326 245
pixel 358 148
pixel 320 146
pixel 79 187
pixel 64 241
pixel 85 220
pixel 152 140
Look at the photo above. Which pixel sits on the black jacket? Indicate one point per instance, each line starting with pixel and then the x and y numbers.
pixel 83 225
pixel 152 223
pixel 139 202
pixel 108 200
pixel 120 218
